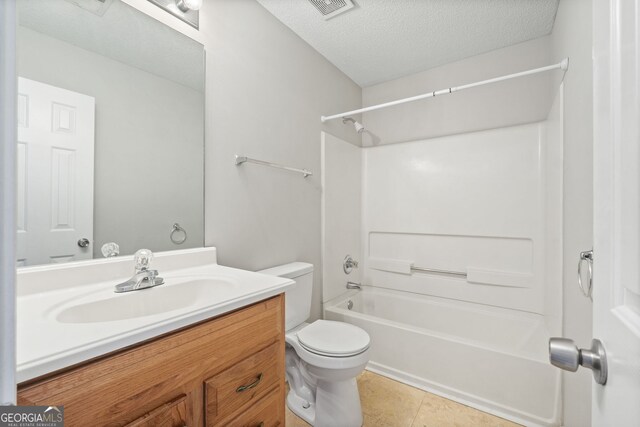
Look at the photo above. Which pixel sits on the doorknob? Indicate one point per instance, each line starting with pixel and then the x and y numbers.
pixel 564 354
pixel 84 242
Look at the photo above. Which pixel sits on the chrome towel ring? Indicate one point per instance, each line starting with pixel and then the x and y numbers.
pixel 588 257
pixel 178 229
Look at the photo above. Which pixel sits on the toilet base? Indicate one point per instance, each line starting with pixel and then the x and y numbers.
pixel 302 408
pixel 337 404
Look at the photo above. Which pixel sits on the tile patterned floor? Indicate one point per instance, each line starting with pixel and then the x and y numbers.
pixel 388 403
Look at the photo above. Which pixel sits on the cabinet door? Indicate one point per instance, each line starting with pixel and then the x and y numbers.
pixel 267 412
pixel 171 414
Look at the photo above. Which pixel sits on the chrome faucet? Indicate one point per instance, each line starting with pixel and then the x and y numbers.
pixel 349 264
pixel 144 277
pixel 353 285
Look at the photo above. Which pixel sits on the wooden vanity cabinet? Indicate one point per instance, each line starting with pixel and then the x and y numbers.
pixel 227 371
pixel 171 414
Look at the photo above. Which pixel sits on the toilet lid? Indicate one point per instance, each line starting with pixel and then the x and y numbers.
pixel 330 338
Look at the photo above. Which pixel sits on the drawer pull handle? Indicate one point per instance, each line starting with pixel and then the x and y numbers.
pixel 250 386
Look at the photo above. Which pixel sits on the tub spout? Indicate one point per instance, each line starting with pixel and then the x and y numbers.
pixel 353 285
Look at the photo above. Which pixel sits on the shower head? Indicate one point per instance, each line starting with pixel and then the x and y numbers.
pixel 357 125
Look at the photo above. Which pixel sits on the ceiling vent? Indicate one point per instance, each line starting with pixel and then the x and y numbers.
pixel 331 8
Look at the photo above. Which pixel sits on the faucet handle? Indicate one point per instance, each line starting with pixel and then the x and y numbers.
pixel 349 264
pixel 142 259
pixel 110 249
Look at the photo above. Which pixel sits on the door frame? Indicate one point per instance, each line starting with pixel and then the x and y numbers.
pixel 8 137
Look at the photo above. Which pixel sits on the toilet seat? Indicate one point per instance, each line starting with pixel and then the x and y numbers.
pixel 333 339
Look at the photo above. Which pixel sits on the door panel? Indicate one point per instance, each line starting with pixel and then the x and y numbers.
pixel 616 287
pixel 55 173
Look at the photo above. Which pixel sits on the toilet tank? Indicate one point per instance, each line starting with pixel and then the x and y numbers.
pixel 298 299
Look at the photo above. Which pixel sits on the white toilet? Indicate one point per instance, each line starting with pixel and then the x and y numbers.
pixel 322 358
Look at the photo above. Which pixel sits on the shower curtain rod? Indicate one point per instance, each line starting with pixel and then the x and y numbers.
pixel 563 65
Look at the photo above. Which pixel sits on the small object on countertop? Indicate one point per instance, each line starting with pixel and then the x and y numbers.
pixel 110 249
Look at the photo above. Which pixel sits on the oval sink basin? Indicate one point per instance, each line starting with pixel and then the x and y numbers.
pixel 146 302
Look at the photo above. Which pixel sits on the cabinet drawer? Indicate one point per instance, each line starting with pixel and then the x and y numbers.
pixel 171 414
pixel 242 384
pixel 267 412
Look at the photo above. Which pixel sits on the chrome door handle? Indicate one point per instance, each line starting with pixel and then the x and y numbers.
pixel 564 354
pixel 84 242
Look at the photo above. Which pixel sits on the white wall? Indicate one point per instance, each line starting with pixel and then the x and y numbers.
pixel 8 185
pixel 519 101
pixel 141 187
pixel 474 203
pixel 341 213
pixel 572 37
pixel 265 92
pixel 487 203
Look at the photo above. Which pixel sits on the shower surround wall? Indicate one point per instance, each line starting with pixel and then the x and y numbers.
pixel 472 183
pixel 475 203
pixel 486 203
pixel 341 213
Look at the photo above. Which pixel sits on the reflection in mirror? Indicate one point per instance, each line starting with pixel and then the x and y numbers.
pixel 110 132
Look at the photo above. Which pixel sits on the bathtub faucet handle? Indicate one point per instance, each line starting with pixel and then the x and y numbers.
pixel 349 264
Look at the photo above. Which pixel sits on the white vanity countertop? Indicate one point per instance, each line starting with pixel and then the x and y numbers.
pixel 70 313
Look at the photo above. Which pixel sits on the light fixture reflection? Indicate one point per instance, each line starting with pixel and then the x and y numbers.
pixel 187 5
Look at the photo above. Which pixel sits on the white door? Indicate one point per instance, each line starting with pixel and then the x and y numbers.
pixel 616 288
pixel 55 174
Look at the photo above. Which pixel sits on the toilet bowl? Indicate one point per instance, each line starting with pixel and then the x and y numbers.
pixel 323 358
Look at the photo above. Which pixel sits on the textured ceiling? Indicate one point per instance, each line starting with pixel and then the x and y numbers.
pixel 381 40
pixel 123 34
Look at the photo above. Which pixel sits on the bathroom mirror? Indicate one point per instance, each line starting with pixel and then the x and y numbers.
pixel 110 132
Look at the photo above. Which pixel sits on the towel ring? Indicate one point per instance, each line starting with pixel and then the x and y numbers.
pixel 177 229
pixel 588 257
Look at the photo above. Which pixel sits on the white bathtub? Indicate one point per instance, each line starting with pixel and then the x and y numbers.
pixel 486 357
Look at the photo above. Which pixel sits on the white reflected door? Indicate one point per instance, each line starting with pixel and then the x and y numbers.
pixel 616 295
pixel 55 174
